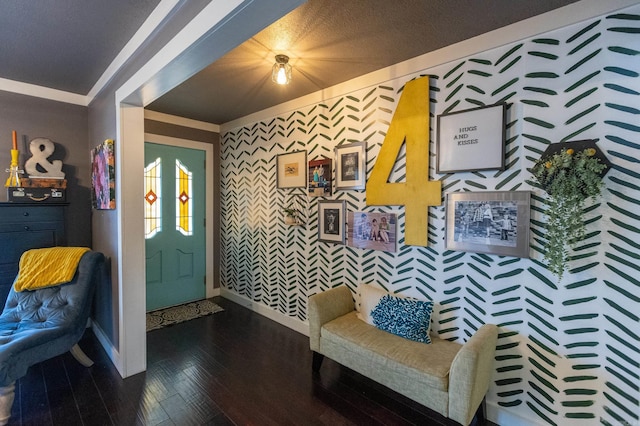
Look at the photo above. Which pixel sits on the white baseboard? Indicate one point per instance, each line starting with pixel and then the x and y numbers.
pixel 494 413
pixel 295 324
pixel 108 347
pixel 501 416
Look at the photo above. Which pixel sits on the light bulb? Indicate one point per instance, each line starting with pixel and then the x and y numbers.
pixel 281 72
pixel 282 76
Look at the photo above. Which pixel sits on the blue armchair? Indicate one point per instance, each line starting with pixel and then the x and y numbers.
pixel 41 324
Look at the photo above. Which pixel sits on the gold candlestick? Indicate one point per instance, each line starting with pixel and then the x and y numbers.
pixel 14 171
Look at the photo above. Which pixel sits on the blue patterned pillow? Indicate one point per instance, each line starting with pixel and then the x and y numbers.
pixel 404 317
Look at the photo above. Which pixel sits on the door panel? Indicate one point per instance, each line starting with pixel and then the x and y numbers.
pixel 175 251
pixel 185 264
pixel 154 268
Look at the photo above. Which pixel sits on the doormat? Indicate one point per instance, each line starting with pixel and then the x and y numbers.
pixel 176 314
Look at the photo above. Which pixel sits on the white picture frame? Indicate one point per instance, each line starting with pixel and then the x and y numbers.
pixel 291 170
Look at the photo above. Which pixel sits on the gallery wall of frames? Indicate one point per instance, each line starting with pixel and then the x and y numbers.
pixel 567 350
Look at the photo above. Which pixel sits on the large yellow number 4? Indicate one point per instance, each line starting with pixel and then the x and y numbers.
pixel 409 125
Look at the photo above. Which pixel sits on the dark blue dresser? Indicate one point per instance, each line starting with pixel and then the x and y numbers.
pixel 23 227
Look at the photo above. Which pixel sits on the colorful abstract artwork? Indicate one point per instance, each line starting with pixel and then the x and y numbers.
pixel 103 176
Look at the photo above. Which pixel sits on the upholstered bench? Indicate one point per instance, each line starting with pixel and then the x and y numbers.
pixel 447 377
pixel 44 323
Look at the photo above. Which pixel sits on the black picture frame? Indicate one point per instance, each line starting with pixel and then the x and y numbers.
pixel 472 140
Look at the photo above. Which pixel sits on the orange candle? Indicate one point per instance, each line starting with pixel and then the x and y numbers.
pixel 15 140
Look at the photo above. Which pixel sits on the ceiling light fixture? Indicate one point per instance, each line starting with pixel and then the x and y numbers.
pixel 281 71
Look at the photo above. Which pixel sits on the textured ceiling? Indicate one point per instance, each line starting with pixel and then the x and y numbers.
pixel 68 44
pixel 332 41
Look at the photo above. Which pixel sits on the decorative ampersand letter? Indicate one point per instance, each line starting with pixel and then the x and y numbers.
pixel 41 149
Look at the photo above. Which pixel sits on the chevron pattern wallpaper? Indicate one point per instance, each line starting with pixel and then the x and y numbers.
pixel 568 352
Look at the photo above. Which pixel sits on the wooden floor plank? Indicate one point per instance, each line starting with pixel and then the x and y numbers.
pixel 60 394
pixel 33 398
pixel 230 368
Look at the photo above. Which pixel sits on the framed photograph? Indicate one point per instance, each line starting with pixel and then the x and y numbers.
pixel 331 221
pixel 292 170
pixel 472 140
pixel 320 173
pixel 351 161
pixel 495 222
pixel 103 176
pixel 373 231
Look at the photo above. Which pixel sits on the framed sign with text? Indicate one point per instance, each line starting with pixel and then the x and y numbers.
pixel 472 140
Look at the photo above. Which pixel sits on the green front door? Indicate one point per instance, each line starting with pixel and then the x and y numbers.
pixel 174 225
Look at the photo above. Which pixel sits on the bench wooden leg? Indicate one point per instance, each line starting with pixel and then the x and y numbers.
pixel 317 361
pixel 479 418
pixel 7 394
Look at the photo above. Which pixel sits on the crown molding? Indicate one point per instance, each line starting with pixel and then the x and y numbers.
pixel 555 19
pixel 28 89
pixel 153 21
pixel 159 14
pixel 558 18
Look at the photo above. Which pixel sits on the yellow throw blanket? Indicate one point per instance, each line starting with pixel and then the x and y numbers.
pixel 48 267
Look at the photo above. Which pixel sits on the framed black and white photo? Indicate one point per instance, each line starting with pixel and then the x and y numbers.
pixel 291 170
pixel 495 222
pixel 351 172
pixel 331 221
pixel 472 140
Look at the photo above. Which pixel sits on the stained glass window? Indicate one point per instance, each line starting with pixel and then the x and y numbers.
pixel 152 199
pixel 184 204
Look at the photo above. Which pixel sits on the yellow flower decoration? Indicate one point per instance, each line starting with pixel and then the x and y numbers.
pixel 570 177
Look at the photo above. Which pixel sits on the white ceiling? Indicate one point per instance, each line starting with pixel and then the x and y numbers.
pixel 67 45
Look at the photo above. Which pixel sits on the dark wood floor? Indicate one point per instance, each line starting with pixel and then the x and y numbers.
pixel 233 367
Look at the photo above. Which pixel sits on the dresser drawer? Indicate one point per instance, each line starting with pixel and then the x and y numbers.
pixel 24 227
pixel 21 214
pixel 24 237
